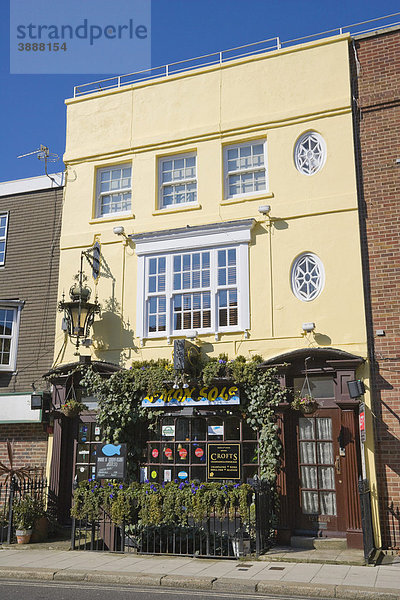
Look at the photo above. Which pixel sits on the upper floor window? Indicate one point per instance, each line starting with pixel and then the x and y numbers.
pixel 113 190
pixel 310 153
pixel 308 277
pixel 3 237
pixel 178 180
pixel 9 326
pixel 245 167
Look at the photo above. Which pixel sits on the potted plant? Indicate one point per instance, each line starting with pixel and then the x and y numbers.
pixel 305 403
pixel 26 512
pixel 72 408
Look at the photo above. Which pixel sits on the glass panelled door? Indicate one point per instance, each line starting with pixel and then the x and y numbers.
pixel 320 473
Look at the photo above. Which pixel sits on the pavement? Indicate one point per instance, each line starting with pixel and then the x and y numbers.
pixel 268 576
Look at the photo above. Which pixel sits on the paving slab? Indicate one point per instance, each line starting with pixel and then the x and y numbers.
pixel 301 573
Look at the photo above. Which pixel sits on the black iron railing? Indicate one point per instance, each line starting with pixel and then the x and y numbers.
pixel 11 492
pixel 223 533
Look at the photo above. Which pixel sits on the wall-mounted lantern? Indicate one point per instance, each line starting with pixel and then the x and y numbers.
pixel 79 312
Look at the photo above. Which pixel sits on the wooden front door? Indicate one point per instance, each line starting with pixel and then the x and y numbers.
pixel 322 495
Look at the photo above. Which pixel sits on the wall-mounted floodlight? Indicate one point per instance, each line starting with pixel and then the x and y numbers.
pixel 308 327
pixel 120 230
pixel 264 209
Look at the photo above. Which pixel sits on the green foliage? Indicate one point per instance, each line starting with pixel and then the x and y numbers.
pixel 165 504
pixel 27 511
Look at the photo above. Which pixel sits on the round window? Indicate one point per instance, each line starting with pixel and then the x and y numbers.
pixel 307 277
pixel 310 153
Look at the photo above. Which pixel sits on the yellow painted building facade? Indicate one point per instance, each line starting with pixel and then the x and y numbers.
pixel 235 187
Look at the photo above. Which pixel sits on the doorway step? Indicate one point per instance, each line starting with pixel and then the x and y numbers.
pixel 318 543
pixel 331 551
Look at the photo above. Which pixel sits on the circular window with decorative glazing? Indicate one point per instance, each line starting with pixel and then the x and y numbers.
pixel 310 153
pixel 307 277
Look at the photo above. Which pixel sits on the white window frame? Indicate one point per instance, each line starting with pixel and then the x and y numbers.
pixel 16 307
pixel 3 238
pixel 99 194
pixel 227 173
pixel 183 242
pixel 321 284
pixel 185 180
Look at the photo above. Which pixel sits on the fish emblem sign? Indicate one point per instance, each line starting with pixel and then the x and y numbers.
pixel 110 461
pixel 111 450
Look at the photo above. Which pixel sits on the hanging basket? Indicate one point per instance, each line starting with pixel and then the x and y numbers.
pixel 72 408
pixel 305 403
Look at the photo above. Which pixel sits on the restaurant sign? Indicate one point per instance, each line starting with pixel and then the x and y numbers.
pixel 223 461
pixel 221 395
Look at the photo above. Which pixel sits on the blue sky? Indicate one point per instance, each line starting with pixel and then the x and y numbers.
pixel 32 110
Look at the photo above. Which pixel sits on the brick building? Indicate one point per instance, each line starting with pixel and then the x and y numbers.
pixel 30 219
pixel 375 59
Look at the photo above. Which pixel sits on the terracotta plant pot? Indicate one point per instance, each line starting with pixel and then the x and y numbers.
pixel 23 536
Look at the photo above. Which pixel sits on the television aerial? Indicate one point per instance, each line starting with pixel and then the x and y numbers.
pixel 43 153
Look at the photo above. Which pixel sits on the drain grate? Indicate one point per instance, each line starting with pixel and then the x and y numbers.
pixel 243 565
pixel 277 568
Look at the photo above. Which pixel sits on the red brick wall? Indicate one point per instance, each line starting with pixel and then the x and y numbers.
pixel 377 87
pixel 30 444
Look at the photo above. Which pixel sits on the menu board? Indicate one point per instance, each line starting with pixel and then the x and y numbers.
pixel 111 461
pixel 223 461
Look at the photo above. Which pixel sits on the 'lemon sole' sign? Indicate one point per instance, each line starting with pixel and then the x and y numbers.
pixel 205 396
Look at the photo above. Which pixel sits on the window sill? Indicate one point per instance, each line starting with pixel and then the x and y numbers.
pixel 181 334
pixel 175 209
pixel 247 198
pixel 110 219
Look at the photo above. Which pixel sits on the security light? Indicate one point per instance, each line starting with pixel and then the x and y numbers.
pixel 265 209
pixel 119 230
pixel 308 327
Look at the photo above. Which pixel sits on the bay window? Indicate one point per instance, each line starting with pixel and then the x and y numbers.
pixel 202 288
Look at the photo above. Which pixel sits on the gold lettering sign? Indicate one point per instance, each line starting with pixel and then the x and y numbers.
pixel 205 396
pixel 223 461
